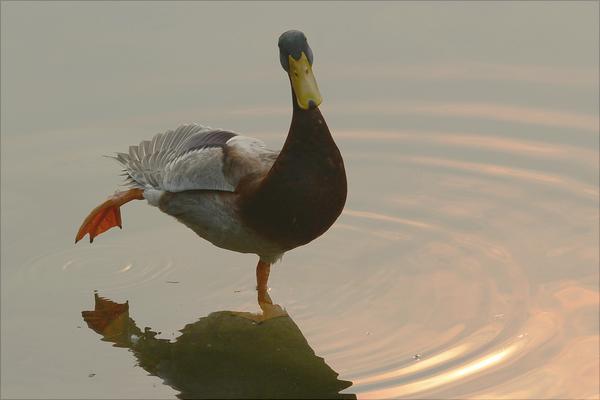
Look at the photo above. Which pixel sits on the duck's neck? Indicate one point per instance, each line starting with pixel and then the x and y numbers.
pixel 308 138
pixel 305 190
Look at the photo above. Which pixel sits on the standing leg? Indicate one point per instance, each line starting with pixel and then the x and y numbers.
pixel 262 276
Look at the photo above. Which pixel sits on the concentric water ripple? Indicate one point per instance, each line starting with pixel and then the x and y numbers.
pixel 403 351
pixel 100 267
pixel 444 304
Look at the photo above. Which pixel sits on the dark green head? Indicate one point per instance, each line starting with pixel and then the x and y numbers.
pixel 296 58
pixel 293 43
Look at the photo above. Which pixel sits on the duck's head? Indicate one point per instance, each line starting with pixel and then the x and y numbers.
pixel 296 59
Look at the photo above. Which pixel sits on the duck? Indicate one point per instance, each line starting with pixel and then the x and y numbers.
pixel 232 190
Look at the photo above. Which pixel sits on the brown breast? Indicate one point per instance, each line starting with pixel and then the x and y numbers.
pixel 305 190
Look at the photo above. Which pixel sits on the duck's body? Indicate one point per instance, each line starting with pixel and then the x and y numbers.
pixel 194 174
pixel 233 191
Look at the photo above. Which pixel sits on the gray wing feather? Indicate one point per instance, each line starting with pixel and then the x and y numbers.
pixel 187 158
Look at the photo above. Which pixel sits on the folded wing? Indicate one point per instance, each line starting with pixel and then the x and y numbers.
pixel 194 157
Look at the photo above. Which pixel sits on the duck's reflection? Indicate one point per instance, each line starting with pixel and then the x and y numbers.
pixel 225 354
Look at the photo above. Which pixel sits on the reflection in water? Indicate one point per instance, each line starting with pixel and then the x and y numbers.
pixel 226 354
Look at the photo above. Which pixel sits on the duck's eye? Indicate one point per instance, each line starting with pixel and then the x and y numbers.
pixel 296 73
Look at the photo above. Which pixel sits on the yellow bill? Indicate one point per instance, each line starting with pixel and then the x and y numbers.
pixel 304 83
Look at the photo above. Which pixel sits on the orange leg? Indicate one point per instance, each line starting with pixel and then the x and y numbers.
pixel 262 275
pixel 107 214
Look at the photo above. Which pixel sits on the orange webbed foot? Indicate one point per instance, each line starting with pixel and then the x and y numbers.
pixel 107 215
pixel 101 219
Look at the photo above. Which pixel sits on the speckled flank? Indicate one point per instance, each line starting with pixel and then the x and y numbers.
pixel 214 216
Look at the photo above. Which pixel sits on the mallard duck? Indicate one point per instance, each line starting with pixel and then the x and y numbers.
pixel 231 189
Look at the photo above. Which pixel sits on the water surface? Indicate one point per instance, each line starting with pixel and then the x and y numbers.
pixel 464 265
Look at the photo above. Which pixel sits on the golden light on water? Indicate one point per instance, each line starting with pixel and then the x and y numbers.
pixel 417 366
pixel 445 378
